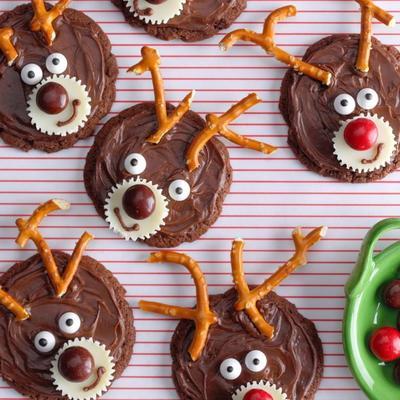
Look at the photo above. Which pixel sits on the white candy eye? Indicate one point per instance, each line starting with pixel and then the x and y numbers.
pixel 179 190
pixel 44 341
pixel 230 369
pixel 31 74
pixel 344 104
pixel 256 361
pixel 56 63
pixel 69 323
pixel 135 163
pixel 367 99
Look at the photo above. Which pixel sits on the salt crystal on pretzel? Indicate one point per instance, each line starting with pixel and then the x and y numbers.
pixel 248 299
pixel 43 20
pixel 267 42
pixel 218 125
pixel 151 62
pixel 6 45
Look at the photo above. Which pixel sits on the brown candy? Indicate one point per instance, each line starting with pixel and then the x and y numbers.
pixel 76 364
pixel 139 202
pixel 52 98
pixel 391 294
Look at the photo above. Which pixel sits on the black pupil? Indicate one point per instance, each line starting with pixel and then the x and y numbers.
pixel 344 103
pixel 43 342
pixel 56 61
pixel 230 369
pixel 256 361
pixel 368 96
pixel 134 162
pixel 179 190
pixel 31 74
pixel 69 322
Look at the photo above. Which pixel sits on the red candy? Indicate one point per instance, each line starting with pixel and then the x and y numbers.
pixel 385 344
pixel 258 394
pixel 361 134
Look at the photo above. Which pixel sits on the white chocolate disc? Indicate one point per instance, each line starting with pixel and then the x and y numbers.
pixel 75 390
pixel 146 227
pixel 47 123
pixel 272 390
pixel 352 159
pixel 161 14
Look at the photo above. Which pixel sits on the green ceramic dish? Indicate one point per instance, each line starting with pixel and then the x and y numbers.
pixel 365 312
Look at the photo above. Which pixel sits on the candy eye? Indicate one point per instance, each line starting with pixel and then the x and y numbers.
pixel 344 104
pixel 179 190
pixel 256 361
pixel 135 163
pixel 31 74
pixel 45 341
pixel 69 323
pixel 230 369
pixel 367 99
pixel 56 63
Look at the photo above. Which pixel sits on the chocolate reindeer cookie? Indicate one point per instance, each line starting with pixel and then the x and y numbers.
pixel 188 20
pixel 341 100
pixel 57 76
pixel 66 330
pixel 248 343
pixel 156 173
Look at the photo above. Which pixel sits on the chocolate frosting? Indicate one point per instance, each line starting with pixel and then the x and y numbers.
pixel 307 105
pixel 94 295
pixel 294 355
pixel 166 162
pixel 200 15
pixel 79 39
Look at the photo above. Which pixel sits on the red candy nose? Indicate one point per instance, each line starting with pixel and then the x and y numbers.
pixel 361 134
pixel 258 394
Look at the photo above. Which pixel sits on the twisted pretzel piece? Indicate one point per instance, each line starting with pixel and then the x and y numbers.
pixel 151 62
pixel 248 298
pixel 202 315
pixel 369 11
pixel 6 45
pixel 29 231
pixel 217 125
pixel 43 20
pixel 266 41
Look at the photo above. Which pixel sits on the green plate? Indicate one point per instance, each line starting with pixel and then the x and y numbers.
pixel 365 312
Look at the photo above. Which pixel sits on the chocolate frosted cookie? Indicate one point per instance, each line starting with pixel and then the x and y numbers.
pixel 66 330
pixel 248 343
pixel 156 174
pixel 188 20
pixel 342 108
pixel 57 76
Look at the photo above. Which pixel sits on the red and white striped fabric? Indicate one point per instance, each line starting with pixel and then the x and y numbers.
pixel 270 195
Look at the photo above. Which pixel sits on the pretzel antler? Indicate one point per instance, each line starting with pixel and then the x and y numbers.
pixel 217 125
pixel 13 306
pixel 151 62
pixel 202 315
pixel 248 298
pixel 29 231
pixel 266 41
pixel 6 45
pixel 369 11
pixel 43 20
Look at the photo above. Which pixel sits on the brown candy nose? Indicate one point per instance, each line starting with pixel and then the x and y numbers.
pixel 76 364
pixel 52 98
pixel 156 1
pixel 139 202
